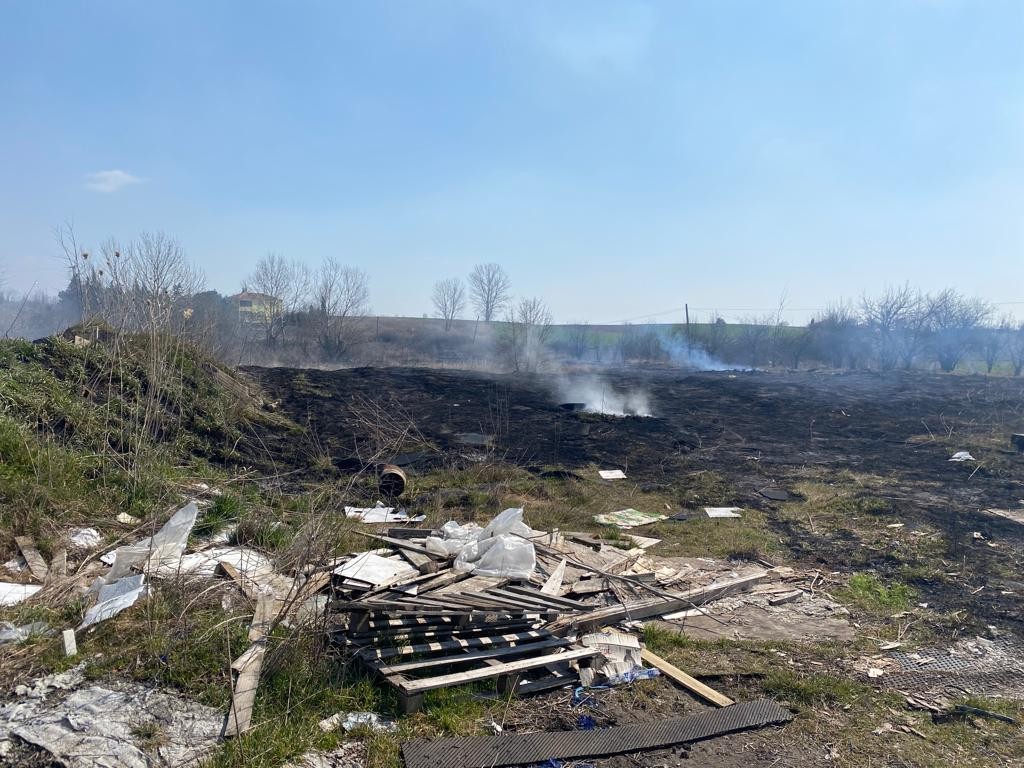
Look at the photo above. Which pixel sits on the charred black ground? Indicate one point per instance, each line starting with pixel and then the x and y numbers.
pixel 753 429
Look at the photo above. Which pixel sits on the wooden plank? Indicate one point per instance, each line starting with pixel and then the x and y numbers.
pixel 267 609
pixel 36 564
pixel 474 584
pixel 248 586
pixel 553 600
pixel 465 658
pixel 592 586
pixel 423 563
pixel 412 687
pixel 248 667
pixel 786 597
pixel 411 533
pixel 691 684
pixel 438 634
pixel 424 583
pixel 59 564
pixel 405 544
pixel 657 606
pixel 554 581
pixel 454 644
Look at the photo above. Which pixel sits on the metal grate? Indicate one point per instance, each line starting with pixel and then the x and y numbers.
pixel 525 749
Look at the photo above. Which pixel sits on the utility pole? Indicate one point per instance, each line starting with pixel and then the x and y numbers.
pixel 686 307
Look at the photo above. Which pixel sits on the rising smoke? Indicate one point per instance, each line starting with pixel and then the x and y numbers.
pixel 598 396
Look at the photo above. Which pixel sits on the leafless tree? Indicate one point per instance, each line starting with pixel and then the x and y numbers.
pixel 340 296
pixel 993 340
pixel 712 336
pixel 837 336
pixel 1015 349
pixel 287 283
pixel 528 331
pixel 952 324
pixel 449 299
pixel 580 340
pixel 891 320
pixel 490 290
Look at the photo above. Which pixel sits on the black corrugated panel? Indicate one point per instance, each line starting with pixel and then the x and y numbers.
pixel 525 749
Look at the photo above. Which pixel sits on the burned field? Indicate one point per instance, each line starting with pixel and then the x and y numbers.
pixel 787 569
pixel 883 442
pixel 843 480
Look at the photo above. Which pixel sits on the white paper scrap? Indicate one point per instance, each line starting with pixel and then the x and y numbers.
pixel 723 511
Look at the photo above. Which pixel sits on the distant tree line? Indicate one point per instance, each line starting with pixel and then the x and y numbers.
pixel 285 312
pixel 288 313
pixel 902 328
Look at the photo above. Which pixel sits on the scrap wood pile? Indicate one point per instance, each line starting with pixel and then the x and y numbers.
pixel 531 610
pixel 112 582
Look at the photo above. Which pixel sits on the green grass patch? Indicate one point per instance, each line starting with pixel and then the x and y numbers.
pixel 868 592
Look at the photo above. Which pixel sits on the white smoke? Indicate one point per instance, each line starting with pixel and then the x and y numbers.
pixel 598 396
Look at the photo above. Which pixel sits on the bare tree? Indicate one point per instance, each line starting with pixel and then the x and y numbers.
pixel 891 319
pixel 528 331
pixel 580 340
pixel 285 284
pixel 449 299
pixel 837 336
pixel 993 339
pixel 340 295
pixel 952 323
pixel 490 290
pixel 712 336
pixel 1015 348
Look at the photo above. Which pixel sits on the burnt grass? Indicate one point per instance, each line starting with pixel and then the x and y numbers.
pixel 751 428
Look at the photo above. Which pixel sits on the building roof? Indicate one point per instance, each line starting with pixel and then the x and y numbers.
pixel 252 296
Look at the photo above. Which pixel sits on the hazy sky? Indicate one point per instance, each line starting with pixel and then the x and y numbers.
pixel 618 158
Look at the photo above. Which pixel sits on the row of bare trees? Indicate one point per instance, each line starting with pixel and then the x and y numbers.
pixel 901 328
pixel 490 293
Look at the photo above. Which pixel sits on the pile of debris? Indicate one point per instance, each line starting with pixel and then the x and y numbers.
pixel 529 609
pixel 430 609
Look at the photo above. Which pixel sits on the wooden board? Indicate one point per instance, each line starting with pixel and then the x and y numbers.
pixel 689 683
pixel 554 581
pixel 459 678
pixel 470 656
pixel 36 564
pixel 248 667
pixel 656 606
pixel 454 644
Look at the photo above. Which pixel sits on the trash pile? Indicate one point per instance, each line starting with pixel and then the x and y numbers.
pixel 531 610
pixel 426 609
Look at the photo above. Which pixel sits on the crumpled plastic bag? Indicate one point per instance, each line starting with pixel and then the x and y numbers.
pixel 453 538
pixel 505 556
pixel 496 550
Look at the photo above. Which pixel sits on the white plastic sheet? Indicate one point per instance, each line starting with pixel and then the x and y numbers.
pixel 500 549
pixel 114 598
pixel 161 551
pixel 15 593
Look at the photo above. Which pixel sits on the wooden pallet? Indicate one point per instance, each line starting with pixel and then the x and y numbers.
pixel 497 661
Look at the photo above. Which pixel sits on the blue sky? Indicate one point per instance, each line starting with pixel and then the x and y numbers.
pixel 618 158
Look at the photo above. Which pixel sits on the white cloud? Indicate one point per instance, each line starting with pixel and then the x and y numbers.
pixel 110 181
